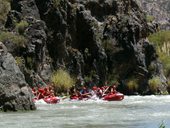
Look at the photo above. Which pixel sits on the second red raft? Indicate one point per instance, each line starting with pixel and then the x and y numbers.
pixel 114 97
pixel 52 100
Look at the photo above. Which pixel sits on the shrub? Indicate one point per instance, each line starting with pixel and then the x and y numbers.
pixel 19 40
pixel 108 44
pixel 165 59
pixel 62 80
pixel 4 9
pixel 160 37
pixel 56 3
pixel 162 41
pixel 21 26
pixel 87 78
pixel 150 18
pixel 132 85
pixel 19 60
pixel 29 62
pixel 154 84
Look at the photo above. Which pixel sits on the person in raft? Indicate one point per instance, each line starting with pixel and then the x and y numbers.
pixel 95 92
pixel 113 89
pixel 45 92
pixel 41 93
pixel 74 93
pixel 85 92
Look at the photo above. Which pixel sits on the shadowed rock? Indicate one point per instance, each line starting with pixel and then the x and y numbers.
pixel 14 92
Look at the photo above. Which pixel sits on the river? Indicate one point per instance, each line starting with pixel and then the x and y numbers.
pixel 132 112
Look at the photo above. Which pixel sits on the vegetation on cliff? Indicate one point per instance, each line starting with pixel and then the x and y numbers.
pixel 62 80
pixel 18 40
pixel 161 40
pixel 4 9
pixel 21 26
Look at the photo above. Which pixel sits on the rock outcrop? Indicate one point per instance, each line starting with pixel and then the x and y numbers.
pixel 15 94
pixel 105 39
pixel 159 9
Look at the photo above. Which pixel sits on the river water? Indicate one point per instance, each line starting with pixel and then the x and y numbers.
pixel 132 112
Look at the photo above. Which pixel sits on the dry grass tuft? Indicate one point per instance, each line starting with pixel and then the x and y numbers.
pixel 62 80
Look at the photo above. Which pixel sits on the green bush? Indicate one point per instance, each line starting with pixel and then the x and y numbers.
pixel 160 37
pixel 62 80
pixel 29 62
pixel 162 41
pixel 154 84
pixel 19 40
pixel 21 26
pixel 132 85
pixel 4 9
pixel 150 18
pixel 108 45
pixel 19 60
pixel 165 59
pixel 56 3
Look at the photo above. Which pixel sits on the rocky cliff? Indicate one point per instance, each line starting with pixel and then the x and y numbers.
pixel 15 94
pixel 102 39
pixel 159 9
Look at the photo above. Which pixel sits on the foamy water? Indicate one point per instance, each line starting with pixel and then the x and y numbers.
pixel 132 112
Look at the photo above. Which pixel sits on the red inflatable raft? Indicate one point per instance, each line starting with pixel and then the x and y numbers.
pixel 52 100
pixel 78 98
pixel 74 98
pixel 114 97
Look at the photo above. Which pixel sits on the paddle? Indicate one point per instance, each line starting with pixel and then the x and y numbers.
pixel 105 91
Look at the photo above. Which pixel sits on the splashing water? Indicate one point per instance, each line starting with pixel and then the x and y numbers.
pixel 132 112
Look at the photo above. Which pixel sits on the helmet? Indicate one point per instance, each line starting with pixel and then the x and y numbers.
pixel 114 86
pixel 94 88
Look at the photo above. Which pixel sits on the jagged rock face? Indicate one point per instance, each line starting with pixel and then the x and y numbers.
pixel 14 92
pixel 160 9
pixel 37 42
pixel 35 33
pixel 34 51
pixel 27 8
pixel 103 37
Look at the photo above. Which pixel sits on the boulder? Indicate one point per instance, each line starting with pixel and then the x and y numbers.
pixel 14 92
